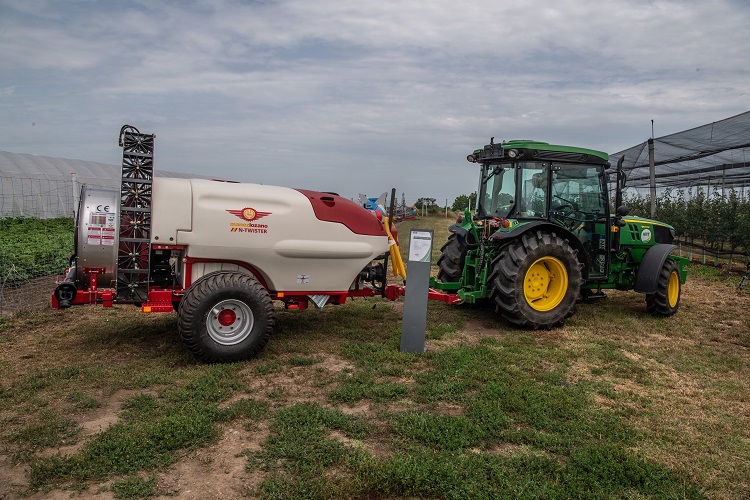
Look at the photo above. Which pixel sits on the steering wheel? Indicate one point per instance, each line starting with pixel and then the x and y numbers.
pixel 572 219
pixel 566 203
pixel 565 207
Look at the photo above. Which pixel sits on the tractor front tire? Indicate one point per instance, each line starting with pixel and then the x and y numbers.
pixel 451 261
pixel 666 300
pixel 225 317
pixel 536 281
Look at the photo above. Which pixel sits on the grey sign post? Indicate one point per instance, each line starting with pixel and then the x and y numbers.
pixel 419 262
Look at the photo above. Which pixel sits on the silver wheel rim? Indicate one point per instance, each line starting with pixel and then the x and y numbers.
pixel 229 322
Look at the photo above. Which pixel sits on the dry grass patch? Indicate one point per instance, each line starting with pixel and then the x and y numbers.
pixel 219 470
pixel 692 406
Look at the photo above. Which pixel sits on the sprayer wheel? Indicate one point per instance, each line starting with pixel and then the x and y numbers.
pixel 226 316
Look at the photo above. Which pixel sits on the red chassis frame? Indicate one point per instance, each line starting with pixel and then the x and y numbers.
pixel 163 299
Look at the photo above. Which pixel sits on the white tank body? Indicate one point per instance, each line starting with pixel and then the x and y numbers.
pixel 277 231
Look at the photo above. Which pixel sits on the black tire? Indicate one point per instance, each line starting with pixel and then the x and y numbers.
pixel 666 301
pixel 453 254
pixel 536 280
pixel 225 317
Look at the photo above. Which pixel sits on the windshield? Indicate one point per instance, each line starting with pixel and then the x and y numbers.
pixel 498 190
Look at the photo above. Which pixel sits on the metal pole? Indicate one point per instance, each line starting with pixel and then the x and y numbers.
pixel 652 173
pixel 75 194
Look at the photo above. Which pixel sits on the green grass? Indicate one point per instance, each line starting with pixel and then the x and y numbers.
pixel 148 435
pixel 34 247
pixel 135 487
pixel 614 405
pixel 48 430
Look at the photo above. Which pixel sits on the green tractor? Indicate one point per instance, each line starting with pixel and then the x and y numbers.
pixel 543 237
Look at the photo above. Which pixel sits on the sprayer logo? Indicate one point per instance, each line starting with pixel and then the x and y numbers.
pixel 250 215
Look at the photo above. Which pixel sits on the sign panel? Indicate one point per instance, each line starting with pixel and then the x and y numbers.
pixel 414 324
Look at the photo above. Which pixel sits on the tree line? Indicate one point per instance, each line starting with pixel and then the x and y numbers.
pixel 460 203
pixel 719 220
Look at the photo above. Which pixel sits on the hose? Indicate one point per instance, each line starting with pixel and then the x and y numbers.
pixel 126 128
pixel 396 262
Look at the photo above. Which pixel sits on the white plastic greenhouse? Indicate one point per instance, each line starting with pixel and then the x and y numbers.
pixel 44 187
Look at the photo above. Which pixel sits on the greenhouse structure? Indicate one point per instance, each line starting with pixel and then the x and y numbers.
pixel 715 155
pixel 44 187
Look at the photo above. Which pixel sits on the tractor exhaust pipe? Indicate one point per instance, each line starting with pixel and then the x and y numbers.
pixel 620 183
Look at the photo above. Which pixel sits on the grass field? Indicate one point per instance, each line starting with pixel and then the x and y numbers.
pixel 32 247
pixel 107 403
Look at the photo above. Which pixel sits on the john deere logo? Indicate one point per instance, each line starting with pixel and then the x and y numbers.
pixel 248 214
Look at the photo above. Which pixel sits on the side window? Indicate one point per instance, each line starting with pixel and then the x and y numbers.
pixel 578 189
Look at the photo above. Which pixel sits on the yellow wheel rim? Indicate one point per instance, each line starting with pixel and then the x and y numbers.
pixel 545 284
pixel 673 289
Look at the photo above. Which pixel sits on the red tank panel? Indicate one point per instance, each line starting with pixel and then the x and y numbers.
pixel 333 208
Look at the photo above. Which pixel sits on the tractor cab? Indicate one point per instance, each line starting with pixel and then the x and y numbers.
pixel 529 182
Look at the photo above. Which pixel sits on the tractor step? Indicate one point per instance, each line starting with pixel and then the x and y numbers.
pixel 592 295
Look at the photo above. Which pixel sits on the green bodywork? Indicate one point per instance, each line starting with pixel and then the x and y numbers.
pixel 576 207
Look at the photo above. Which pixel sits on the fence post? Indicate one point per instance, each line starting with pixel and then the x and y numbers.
pixel 652 177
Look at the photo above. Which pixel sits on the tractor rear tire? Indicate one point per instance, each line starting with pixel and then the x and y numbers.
pixel 536 281
pixel 666 301
pixel 225 317
pixel 451 262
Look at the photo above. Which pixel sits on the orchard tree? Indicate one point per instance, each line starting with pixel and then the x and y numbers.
pixel 426 203
pixel 463 201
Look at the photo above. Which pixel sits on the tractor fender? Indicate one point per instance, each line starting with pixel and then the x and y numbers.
pixel 503 237
pixel 648 272
pixel 463 234
pixel 455 228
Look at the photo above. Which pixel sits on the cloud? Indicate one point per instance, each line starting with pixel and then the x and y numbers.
pixel 349 94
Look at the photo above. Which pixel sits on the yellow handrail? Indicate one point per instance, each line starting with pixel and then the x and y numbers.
pixel 396 262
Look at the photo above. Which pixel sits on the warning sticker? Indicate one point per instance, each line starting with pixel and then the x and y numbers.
pixel 94 236
pixel 101 219
pixel 97 220
pixel 303 279
pixel 108 236
pixel 101 229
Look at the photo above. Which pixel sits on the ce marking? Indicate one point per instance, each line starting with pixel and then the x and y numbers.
pixel 102 208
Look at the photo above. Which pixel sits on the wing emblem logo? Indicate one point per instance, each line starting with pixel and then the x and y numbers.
pixel 248 214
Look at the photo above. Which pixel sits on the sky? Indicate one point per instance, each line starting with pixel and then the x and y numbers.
pixel 360 97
